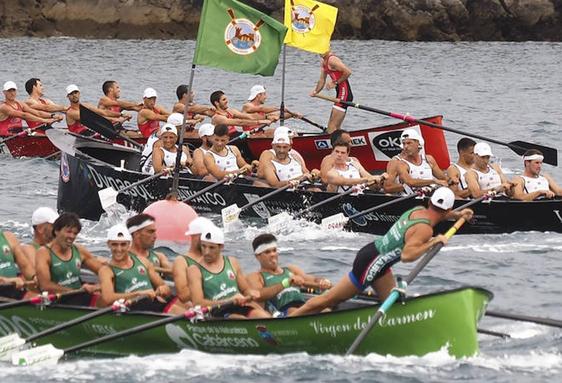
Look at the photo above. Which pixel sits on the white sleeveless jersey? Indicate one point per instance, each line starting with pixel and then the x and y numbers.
pixel 420 172
pixel 350 172
pixel 534 184
pixel 146 155
pixel 288 171
pixel 488 180
pixel 169 161
pixel 462 171
pixel 225 163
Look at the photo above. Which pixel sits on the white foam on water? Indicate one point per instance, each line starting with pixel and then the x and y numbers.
pixel 513 247
pixel 338 248
pixel 534 361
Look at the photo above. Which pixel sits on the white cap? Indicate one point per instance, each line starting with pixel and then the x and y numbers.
pixel 443 198
pixel 199 225
pixel 118 233
pixel 256 89
pixel 412 134
pixel 482 149
pixel 281 139
pixel 206 129
pixel 43 215
pixel 283 130
pixel 149 93
pixel 168 128
pixel 71 88
pixel 10 85
pixel 175 119
pixel 213 234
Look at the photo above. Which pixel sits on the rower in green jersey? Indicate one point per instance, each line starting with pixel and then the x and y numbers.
pixel 218 279
pixel 128 276
pixel 143 232
pixel 58 264
pixel 280 286
pixel 407 240
pixel 42 221
pixel 193 256
pixel 15 268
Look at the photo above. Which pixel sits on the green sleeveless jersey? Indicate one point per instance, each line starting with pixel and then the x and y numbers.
pixel 132 279
pixel 392 243
pixel 153 258
pixel 8 266
pixel 221 285
pixel 285 296
pixel 190 261
pixel 66 273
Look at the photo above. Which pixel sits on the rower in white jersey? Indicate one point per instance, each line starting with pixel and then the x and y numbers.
pixel 154 142
pixel 198 168
pixel 415 168
pixel 532 184
pixel 164 156
pixel 267 155
pixel 222 159
pixel 484 176
pixel 457 171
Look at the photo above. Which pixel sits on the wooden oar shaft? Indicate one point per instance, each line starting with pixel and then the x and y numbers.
pixel 327 200
pixel 525 318
pixel 493 333
pixel 38 299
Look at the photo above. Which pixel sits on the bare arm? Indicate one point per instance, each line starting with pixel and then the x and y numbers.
pixel 108 294
pixel 390 184
pixel 179 271
pixel 198 168
pixel 417 242
pixel 321 82
pixel 406 178
pixel 553 185
pixel 149 115
pixel 334 178
pixel 473 186
pixel 435 169
pixel 196 287
pixel 271 176
pixel 160 287
pixel 251 108
pixel 157 160
pixel 243 284
pixel 88 260
pixel 240 161
pixel 10 112
pixel 454 176
pixel 50 106
pixel 218 119
pixel 21 259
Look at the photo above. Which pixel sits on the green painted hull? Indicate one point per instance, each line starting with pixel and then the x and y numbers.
pixel 421 325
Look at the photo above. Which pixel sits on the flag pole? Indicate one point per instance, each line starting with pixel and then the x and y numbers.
pixel 282 109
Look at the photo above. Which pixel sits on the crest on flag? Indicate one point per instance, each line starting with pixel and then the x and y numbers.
pixel 302 18
pixel 242 36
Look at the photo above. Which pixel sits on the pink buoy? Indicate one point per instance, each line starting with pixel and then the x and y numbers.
pixel 172 219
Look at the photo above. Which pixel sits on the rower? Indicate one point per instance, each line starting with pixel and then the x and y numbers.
pixel 42 221
pixel 142 228
pixel 205 131
pixel 13 111
pixel 164 155
pixel 128 276
pixel 484 176
pixel 224 115
pixel 194 110
pixel 407 240
pixel 267 155
pixel 15 267
pixel 339 73
pixel 223 159
pixel 218 278
pixel 328 161
pixel 347 172
pixel 111 99
pixel 532 184
pixel 280 286
pixel 150 115
pixel 34 88
pixel 58 264
pixel 457 171
pixel 193 257
pixel 73 121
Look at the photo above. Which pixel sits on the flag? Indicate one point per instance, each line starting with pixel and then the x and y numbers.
pixel 238 38
pixel 310 25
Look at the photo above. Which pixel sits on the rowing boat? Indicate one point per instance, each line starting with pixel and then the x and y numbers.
pixel 423 324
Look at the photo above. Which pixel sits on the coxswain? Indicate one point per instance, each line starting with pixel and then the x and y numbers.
pixel 164 155
pixel 12 112
pixel 256 107
pixel 194 111
pixel 42 221
pixel 111 99
pixel 457 170
pixel 192 257
pixel 58 264
pixel 142 228
pixel 205 131
pixel 73 120
pixel 406 241
pixel 15 268
pixel 218 279
pixel 484 176
pixel 224 115
pixel 35 90
pixel 128 276
pixel 532 184
pixel 150 115
pixel 280 286
pixel 339 73
pixel 222 159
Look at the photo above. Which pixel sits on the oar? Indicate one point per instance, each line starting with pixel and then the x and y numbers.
pixel 229 177
pixel 525 318
pixel 395 294
pixel 26 132
pixel 493 333
pixel 43 298
pixel 103 126
pixel 247 134
pixel 108 196
pixel 519 147
pixel 315 124
pixel 50 353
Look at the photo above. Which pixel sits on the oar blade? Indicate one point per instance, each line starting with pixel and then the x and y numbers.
pixel 550 154
pixel 278 221
pixel 230 217
pixel 334 222
pixel 108 197
pixel 9 344
pixel 47 354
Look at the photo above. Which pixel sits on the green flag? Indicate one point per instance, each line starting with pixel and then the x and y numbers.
pixel 238 38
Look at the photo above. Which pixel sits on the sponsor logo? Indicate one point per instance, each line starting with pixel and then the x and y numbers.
pixel 266 336
pixel 302 18
pixel 242 36
pixel 557 213
pixel 103 181
pixel 64 168
pixel 141 270
pixel 349 210
pixel 325 144
pixel 208 198
pixel 358 141
pixel 226 340
pixel 231 275
pixel 322 144
pixel 386 145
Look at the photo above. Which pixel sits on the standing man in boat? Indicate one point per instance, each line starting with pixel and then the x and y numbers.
pixel 42 221
pixel 150 115
pixel 406 241
pixel 222 159
pixel 34 88
pixel 142 228
pixel 280 286
pixel 532 184
pixel 333 67
pixel 224 115
pixel 12 112
pixel 58 264
pixel 15 267
pixel 218 278
pixel 484 176
pixel 205 131
pixel 457 170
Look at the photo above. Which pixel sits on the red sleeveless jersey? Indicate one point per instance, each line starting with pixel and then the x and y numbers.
pixel 11 125
pixel 33 124
pixel 150 126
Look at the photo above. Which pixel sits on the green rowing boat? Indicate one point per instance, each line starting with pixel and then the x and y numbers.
pixel 419 326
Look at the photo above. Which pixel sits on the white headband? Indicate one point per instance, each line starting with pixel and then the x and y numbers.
pixel 146 223
pixel 533 157
pixel 264 247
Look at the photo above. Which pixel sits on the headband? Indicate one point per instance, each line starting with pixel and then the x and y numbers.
pixel 135 228
pixel 264 247
pixel 533 157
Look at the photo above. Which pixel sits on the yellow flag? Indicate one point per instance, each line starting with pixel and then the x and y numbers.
pixel 310 24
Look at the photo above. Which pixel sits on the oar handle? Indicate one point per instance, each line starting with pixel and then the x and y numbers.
pixel 244 135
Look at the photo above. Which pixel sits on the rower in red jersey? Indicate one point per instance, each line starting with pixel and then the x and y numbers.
pixel 224 115
pixel 36 100
pixel 151 114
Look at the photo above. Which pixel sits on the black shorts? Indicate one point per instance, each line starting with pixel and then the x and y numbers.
pixel 226 312
pixel 82 299
pixel 343 92
pixel 12 292
pixel 285 309
pixel 369 266
pixel 147 304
